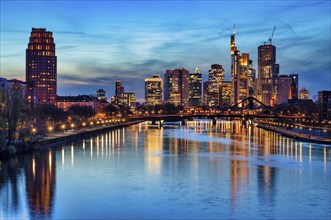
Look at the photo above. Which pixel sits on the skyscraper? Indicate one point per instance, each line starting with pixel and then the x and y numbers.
pixel 195 88
pixel 215 78
pixel 241 68
pixel 294 86
pixel 119 90
pixel 251 80
pixel 304 93
pixel 268 72
pixel 177 84
pixel 41 67
pixel 153 90
pixel 283 89
pixel 287 88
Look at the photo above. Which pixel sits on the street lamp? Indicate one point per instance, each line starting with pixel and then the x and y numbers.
pixel 63 128
pixel 72 125
pixel 34 131
pixel 50 128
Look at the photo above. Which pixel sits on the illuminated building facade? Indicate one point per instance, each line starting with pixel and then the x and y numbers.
pixel 119 90
pixel 251 80
pixel 226 93
pixel 215 78
pixel 195 88
pixel 243 82
pixel 304 93
pixel 41 67
pixel 65 102
pixel 177 86
pixel 268 72
pixel 294 86
pixel 283 89
pixel 287 88
pixel 241 68
pixel 101 94
pixel 153 90
pixel 129 99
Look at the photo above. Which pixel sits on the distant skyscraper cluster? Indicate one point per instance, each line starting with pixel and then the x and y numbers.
pixel 185 89
pixel 178 86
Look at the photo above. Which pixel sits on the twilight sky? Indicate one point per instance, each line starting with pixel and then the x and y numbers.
pixel 98 42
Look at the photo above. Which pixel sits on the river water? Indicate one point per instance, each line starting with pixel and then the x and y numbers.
pixel 194 172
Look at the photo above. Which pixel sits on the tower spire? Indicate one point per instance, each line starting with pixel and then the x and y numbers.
pixel 234 29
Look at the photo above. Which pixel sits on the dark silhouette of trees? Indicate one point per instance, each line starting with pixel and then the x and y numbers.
pixel 11 107
pixel 110 110
pixel 81 111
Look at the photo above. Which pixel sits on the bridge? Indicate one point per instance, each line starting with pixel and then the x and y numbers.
pixel 250 111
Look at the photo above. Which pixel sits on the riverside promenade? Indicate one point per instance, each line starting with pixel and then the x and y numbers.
pixel 296 135
pixel 56 138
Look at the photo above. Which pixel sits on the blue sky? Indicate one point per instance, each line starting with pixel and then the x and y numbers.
pixel 98 42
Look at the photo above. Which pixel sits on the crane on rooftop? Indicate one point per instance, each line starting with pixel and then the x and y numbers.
pixel 270 38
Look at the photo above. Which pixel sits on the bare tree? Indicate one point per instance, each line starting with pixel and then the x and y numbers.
pixel 12 104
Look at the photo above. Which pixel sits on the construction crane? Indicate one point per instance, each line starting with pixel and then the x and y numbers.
pixel 270 38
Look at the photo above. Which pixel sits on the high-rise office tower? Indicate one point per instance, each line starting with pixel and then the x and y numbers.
pixel 294 86
pixel 226 93
pixel 268 72
pixel 153 90
pixel 235 62
pixel 215 78
pixel 240 71
pixel 167 85
pixel 304 93
pixel 177 85
pixel 243 84
pixel 129 99
pixel 251 79
pixel 287 88
pixel 195 88
pixel 324 105
pixel 119 90
pixel 41 67
pixel 283 89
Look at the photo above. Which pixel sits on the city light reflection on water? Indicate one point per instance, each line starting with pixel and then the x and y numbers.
pixel 193 171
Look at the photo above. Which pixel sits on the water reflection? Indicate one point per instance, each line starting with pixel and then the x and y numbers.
pixel 27 186
pixel 225 170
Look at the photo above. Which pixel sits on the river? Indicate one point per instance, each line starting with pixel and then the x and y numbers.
pixel 195 171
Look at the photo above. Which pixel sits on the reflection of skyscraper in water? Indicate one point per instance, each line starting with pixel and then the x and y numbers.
pixel 153 150
pixel 40 183
pixel 239 172
pixel 266 176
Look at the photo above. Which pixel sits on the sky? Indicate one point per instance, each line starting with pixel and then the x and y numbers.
pixel 98 42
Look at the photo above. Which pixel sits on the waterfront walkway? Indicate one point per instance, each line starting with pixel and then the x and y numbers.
pixel 296 135
pixel 60 137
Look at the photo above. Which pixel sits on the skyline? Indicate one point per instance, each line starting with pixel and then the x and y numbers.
pixel 100 42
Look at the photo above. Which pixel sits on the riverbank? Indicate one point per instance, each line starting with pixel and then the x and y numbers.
pixel 67 137
pixel 62 137
pixel 295 135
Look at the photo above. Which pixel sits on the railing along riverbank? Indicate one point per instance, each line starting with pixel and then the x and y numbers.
pixel 295 134
pixel 63 137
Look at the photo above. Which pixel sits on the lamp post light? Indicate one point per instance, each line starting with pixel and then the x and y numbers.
pixel 50 129
pixel 63 128
pixel 72 126
pixel 34 131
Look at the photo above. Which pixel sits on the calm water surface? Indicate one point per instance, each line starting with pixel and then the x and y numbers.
pixel 193 172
